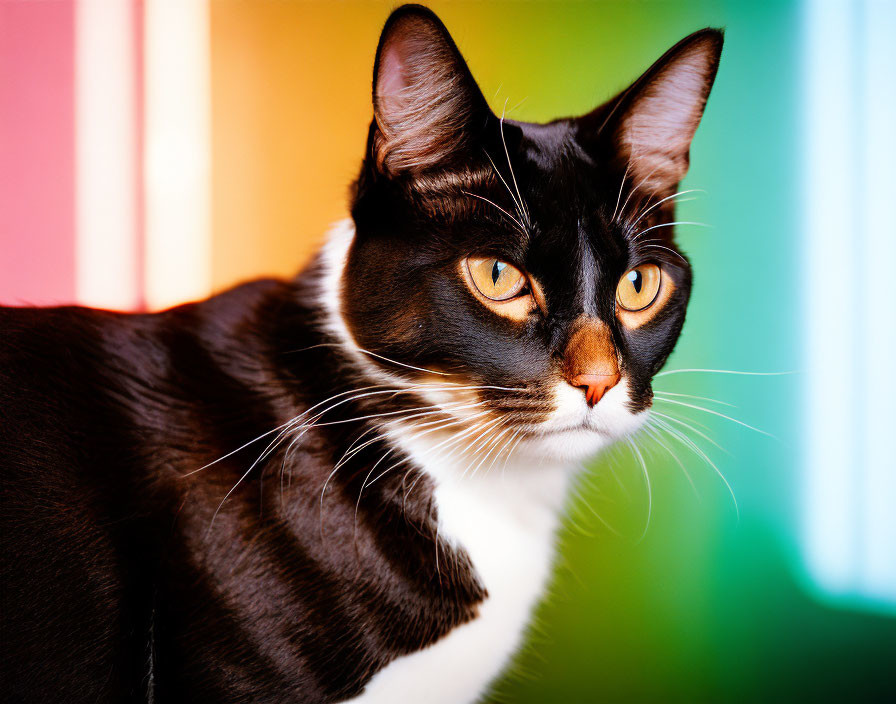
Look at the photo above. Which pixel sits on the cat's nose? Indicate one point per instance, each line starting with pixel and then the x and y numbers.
pixel 590 359
pixel 594 385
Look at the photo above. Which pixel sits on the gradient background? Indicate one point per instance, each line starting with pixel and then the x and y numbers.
pixel 714 603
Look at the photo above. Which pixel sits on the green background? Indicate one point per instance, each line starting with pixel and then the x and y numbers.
pixel 709 605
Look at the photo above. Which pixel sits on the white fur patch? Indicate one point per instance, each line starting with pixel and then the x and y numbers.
pixel 506 522
pixel 503 512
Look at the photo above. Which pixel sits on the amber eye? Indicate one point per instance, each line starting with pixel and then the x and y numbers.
pixel 495 279
pixel 638 287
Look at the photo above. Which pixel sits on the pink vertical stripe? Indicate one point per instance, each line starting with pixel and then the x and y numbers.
pixel 37 217
pixel 140 210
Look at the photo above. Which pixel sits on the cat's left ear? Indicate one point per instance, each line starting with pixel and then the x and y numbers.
pixel 648 128
pixel 428 110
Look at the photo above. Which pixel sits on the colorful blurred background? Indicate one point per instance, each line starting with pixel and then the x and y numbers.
pixel 156 151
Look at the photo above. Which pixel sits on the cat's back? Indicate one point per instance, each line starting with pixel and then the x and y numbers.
pixel 60 570
pixel 93 404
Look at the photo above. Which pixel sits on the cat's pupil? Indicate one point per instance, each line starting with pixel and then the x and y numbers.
pixel 636 279
pixel 496 271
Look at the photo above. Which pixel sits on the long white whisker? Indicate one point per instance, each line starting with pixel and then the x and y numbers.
pixel 667 224
pixel 402 364
pixel 491 202
pixel 716 413
pixel 619 195
pixel 307 426
pixel 241 447
pixel 721 371
pixel 506 185
pixel 637 452
pixel 490 447
pixel 600 518
pixel 285 426
pixel 372 354
pixel 698 398
pixel 347 456
pixel 690 444
pixel 431 430
pixel 503 451
pixel 364 483
pixel 481 442
pixel 664 247
pixel 690 427
pixel 636 189
pixel 518 105
pixel 654 432
pixel 510 166
pixel 519 438
pixel 644 213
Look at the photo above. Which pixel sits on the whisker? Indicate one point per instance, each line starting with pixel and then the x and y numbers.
pixel 448 442
pixel 304 427
pixel 498 435
pixel 637 452
pixel 402 364
pixel 716 413
pixel 665 248
pixel 667 224
pixel 507 450
pixel 690 427
pixel 441 427
pixel 516 222
pixel 644 213
pixel 486 446
pixel 636 189
pixel 653 431
pixel 477 442
pixel 378 437
pixel 506 185
pixel 691 445
pixel 518 104
pixel 233 452
pixel 619 196
pixel 510 166
pixel 372 354
pixel 287 426
pixel 503 444
pixel 364 483
pixel 698 398
pixel 721 371
pixel 581 498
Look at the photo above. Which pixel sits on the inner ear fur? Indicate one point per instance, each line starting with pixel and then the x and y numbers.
pixel 427 106
pixel 648 128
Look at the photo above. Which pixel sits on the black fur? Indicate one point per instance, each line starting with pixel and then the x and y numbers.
pixel 126 577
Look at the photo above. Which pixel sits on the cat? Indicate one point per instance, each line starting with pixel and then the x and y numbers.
pixel 345 486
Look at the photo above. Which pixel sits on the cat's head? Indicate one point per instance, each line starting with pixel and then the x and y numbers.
pixel 521 276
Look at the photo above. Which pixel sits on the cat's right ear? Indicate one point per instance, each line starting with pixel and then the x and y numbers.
pixel 427 108
pixel 648 128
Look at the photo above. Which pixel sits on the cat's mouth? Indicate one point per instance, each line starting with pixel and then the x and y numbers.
pixel 576 430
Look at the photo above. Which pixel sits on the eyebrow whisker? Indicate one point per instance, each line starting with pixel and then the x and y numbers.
pixel 491 202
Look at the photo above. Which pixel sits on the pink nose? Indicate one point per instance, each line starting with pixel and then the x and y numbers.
pixel 594 385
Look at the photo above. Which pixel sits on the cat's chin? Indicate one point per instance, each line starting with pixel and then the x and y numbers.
pixel 576 432
pixel 572 445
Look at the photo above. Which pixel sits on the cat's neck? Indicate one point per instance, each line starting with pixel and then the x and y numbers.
pixel 495 501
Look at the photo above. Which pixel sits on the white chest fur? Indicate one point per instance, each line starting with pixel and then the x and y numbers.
pixel 505 517
pixel 506 521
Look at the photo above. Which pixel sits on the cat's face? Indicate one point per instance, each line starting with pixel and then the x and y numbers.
pixel 522 277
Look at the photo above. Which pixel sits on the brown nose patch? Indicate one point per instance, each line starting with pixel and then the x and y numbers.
pixel 590 351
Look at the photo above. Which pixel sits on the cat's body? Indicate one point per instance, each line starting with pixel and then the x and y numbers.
pixel 346 486
pixel 282 594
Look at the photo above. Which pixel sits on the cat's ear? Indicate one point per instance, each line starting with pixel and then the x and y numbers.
pixel 427 107
pixel 648 128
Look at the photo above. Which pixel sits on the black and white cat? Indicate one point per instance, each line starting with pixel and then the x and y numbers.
pixel 345 487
